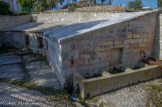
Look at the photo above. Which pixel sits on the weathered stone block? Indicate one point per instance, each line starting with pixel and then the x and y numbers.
pixel 129 36
pixel 134 45
pixel 102 54
pixel 78 62
pixel 104 43
pixel 99 49
pixel 148 39
pixel 85 56
pixel 133 41
pixel 141 45
pixel 108 48
pixel 136 36
pixel 118 42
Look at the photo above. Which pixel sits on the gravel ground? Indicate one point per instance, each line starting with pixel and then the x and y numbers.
pixel 11 95
pixel 133 96
pixel 11 72
pixel 14 66
pixel 42 74
pixel 20 66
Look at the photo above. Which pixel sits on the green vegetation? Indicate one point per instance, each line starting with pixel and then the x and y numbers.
pixel 154 95
pixel 137 4
pixel 94 99
pixel 26 5
pixel 110 2
pixel 159 3
pixel 3 51
pixel 107 104
pixel 4 8
pixel 38 5
pixel 157 88
pixel 72 7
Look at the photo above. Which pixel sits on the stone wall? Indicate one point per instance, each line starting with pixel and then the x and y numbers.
pixel 18 40
pixel 157 46
pixel 124 43
pixel 81 14
pixel 159 36
pixel 11 21
pixel 104 9
pixel 53 52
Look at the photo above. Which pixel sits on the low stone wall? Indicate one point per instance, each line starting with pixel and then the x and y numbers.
pixel 95 86
pixel 81 14
pixel 104 9
pixel 11 21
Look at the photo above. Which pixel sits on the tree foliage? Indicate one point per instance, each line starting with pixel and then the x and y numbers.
pixel 4 8
pixel 26 5
pixel 110 2
pixel 159 3
pixel 38 5
pixel 137 4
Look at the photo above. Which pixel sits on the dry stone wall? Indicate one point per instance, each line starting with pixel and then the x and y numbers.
pixel 11 21
pixel 81 14
pixel 104 9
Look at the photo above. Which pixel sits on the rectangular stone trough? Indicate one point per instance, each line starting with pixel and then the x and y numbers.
pixel 99 85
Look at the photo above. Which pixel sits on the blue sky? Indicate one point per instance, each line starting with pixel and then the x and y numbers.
pixel 146 3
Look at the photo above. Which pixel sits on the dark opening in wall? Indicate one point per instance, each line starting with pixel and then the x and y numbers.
pixel 40 42
pixel 27 41
pixel 116 56
pixel 46 44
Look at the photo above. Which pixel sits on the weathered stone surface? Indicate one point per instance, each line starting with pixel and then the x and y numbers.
pixel 11 21
pixel 133 45
pixel 42 74
pixel 11 72
pixel 86 40
pixel 99 49
pixel 9 59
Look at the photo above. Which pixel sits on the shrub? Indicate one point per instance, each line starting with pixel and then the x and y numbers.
pixel 4 8
pixel 137 4
pixel 72 7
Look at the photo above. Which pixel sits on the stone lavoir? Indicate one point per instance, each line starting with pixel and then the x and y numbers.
pixel 88 42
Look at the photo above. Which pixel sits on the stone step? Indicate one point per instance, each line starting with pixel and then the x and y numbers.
pixel 41 73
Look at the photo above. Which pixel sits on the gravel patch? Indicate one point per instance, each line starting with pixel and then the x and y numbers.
pixel 9 59
pixel 133 96
pixel 42 74
pixel 11 72
pixel 11 95
pixel 29 58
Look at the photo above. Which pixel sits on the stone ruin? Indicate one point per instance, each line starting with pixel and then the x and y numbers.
pixel 87 41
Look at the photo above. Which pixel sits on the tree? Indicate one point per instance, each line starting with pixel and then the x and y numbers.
pixel 26 5
pixel 38 5
pixel 137 4
pixel 159 3
pixel 110 2
pixel 4 8
pixel 102 1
